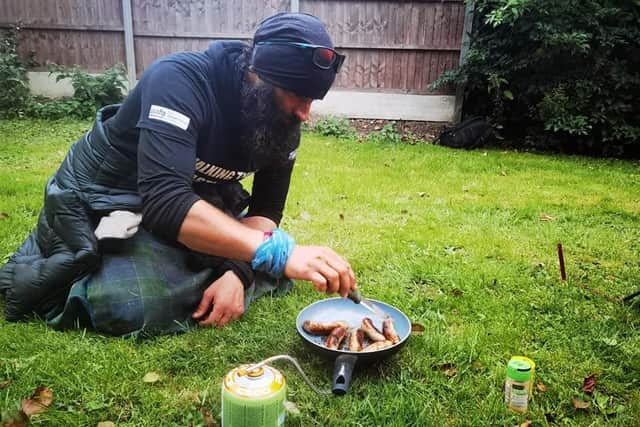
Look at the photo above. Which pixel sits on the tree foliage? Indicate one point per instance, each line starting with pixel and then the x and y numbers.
pixel 556 74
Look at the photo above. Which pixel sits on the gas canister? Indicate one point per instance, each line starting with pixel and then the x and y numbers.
pixel 253 397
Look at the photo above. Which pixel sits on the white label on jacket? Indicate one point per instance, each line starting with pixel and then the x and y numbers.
pixel 169 116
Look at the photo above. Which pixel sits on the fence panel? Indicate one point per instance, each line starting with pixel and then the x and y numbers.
pixel 391 46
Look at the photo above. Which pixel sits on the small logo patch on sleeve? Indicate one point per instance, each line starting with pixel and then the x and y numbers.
pixel 170 116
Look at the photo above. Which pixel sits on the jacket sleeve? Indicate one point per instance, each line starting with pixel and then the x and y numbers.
pixel 165 169
pixel 269 192
pixel 172 112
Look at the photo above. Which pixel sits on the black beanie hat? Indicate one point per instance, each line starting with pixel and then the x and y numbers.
pixel 290 67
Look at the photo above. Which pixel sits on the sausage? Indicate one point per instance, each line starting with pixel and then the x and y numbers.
pixel 335 337
pixel 371 331
pixel 321 328
pixel 356 338
pixel 378 345
pixel 389 331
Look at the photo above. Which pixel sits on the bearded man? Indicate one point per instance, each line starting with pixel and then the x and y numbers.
pixel 170 159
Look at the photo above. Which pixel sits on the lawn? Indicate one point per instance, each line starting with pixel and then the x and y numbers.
pixel 463 242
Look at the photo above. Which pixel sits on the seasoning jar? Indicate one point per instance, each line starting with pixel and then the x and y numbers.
pixel 518 384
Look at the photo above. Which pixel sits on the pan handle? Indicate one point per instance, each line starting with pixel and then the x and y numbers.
pixel 342 371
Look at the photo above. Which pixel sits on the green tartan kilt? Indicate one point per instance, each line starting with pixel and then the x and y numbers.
pixel 148 287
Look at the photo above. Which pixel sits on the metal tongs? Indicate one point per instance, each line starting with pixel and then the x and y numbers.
pixel 356 296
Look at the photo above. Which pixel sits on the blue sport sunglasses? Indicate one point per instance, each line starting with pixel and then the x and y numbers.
pixel 322 57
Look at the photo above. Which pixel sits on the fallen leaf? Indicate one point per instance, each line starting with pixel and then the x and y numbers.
pixel 404 211
pixel 421 194
pixel 477 364
pixel 151 377
pixel 449 369
pixel 106 424
pixel 457 292
pixel 342 217
pixel 503 173
pixel 417 329
pixel 39 401
pixel 602 401
pixel 541 387
pixel 589 384
pixel 4 215
pixel 451 372
pixel 5 384
pixel 545 217
pixel 19 420
pixel 291 408
pixel 432 293
pixel 190 396
pixel 208 418
pixel 526 424
pixel 579 404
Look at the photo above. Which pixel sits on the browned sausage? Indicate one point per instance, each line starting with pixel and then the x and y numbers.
pixel 378 345
pixel 321 328
pixel 371 331
pixel 335 337
pixel 356 338
pixel 389 331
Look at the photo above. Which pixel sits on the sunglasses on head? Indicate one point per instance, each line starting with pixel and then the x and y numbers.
pixel 322 57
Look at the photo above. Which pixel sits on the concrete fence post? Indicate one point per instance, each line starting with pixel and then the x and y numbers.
pixel 464 48
pixel 129 47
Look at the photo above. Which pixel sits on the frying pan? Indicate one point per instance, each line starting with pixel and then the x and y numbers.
pixel 344 309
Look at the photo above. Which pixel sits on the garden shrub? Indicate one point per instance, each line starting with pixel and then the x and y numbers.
pixel 556 74
pixel 334 126
pixel 388 133
pixel 14 88
pixel 91 92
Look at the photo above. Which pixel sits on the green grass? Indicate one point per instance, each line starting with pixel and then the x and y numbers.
pixel 455 239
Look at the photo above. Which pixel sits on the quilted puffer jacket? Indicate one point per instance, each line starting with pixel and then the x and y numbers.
pixel 63 247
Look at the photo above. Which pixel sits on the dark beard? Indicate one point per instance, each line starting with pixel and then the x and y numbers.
pixel 267 134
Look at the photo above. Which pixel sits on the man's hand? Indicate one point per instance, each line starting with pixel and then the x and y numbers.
pixel 328 271
pixel 226 295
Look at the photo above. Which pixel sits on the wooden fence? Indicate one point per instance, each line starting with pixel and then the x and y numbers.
pixel 391 46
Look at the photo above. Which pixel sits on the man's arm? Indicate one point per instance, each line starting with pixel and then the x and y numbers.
pixel 259 223
pixel 209 230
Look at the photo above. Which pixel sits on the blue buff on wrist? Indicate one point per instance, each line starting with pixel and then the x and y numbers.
pixel 272 255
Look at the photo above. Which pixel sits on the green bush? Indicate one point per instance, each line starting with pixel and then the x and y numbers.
pixel 558 74
pixel 90 91
pixel 388 134
pixel 14 88
pixel 96 90
pixel 335 126
pixel 41 107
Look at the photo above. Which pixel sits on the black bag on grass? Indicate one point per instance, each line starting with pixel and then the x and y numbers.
pixel 469 134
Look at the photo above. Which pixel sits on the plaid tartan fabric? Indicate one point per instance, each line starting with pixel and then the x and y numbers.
pixel 147 288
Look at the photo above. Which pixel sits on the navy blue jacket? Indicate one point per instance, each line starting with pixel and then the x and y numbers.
pixel 173 141
pixel 182 121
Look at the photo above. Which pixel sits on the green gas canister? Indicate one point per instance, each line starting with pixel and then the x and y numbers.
pixel 253 397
